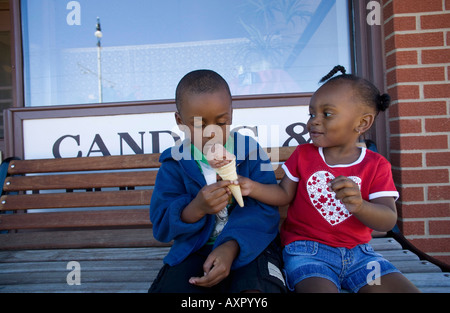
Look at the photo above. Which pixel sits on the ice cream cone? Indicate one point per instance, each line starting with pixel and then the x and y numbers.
pixel 228 172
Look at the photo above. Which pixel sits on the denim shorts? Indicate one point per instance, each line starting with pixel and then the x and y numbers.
pixel 348 269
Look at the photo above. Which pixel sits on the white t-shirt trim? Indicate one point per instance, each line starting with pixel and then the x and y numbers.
pixel 291 177
pixel 359 160
pixel 381 194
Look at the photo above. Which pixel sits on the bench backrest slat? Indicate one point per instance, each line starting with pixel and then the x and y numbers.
pixel 57 220
pixel 80 181
pixel 76 200
pixel 84 164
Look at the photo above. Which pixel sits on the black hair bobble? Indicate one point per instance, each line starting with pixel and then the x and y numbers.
pixel 383 102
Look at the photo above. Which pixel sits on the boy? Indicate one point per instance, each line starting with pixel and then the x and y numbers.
pixel 217 246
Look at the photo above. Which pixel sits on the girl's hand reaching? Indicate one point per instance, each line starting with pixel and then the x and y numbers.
pixel 246 184
pixel 272 194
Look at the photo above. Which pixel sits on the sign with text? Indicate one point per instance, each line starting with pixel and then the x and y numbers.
pixel 151 132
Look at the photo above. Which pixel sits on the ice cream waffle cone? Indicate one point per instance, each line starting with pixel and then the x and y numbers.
pixel 228 172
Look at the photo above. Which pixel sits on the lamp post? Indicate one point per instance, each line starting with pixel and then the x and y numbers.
pixel 98 34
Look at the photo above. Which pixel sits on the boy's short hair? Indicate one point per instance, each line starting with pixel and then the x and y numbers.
pixel 199 81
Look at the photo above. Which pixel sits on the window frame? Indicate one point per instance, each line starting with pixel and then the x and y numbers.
pixel 367 61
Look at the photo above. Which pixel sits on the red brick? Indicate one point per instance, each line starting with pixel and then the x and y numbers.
pixel 412 228
pixel 389 44
pixel 404 92
pixel 419 142
pixel 438 159
pixel 401 58
pixel 406 159
pixel 423 210
pixel 436 56
pixel 416 40
pixel 437 125
pixel 388 10
pixel 443 258
pixel 411 193
pixel 437 91
pixel 416 6
pixel 398 23
pixel 439 227
pixel 416 75
pixel 432 244
pixel 430 108
pixel 421 74
pixel 435 21
pixel 420 176
pixel 439 193
pixel 447 4
pixel 405 126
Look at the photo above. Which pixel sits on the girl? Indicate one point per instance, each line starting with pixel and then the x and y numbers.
pixel 338 193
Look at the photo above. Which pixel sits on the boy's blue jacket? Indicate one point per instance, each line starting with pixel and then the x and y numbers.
pixel 178 181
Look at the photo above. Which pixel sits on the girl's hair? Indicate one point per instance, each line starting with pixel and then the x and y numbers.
pixel 368 93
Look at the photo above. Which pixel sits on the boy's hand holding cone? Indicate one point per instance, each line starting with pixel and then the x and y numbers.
pixel 224 163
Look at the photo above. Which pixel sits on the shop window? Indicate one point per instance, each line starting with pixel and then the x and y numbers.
pixel 258 46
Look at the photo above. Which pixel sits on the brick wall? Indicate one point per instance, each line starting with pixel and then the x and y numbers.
pixel 417 52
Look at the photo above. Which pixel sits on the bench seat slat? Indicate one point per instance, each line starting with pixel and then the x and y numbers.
pixel 430 279
pixel 76 200
pixel 92 287
pixel 94 254
pixel 17 167
pixel 53 220
pixel 416 266
pixel 149 271
pixel 109 238
pixel 87 266
pixel 80 181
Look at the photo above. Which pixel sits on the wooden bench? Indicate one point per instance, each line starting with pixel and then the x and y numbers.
pixel 95 211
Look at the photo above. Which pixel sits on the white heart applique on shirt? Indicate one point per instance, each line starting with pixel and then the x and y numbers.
pixel 323 198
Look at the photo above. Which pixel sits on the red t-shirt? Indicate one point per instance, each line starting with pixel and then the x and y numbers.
pixel 315 214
